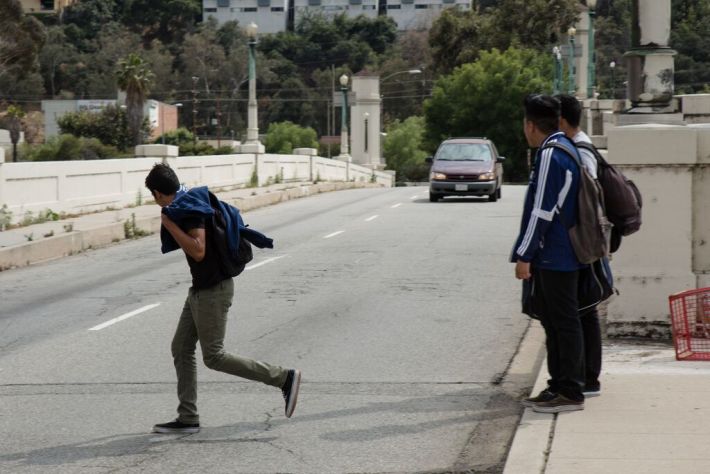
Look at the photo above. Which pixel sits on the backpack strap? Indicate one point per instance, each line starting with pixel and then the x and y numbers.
pixel 598 156
pixel 563 146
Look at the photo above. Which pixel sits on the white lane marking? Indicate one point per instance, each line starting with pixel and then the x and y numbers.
pixel 414 197
pixel 268 260
pixel 333 234
pixel 396 205
pixel 371 218
pixel 124 316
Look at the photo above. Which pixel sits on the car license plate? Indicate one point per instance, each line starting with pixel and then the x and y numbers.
pixel 461 187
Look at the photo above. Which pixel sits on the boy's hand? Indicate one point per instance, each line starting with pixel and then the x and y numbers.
pixel 522 270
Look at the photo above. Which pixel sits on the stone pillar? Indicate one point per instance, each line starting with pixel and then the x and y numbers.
pixel 2 176
pixel 365 122
pixel 650 60
pixel 657 261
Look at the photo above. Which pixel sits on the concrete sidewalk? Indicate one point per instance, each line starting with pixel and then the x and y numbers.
pixel 653 416
pixel 35 243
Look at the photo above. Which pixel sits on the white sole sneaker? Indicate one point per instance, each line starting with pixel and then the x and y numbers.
pixel 293 393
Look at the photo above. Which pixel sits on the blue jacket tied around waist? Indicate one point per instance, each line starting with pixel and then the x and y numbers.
pixel 196 203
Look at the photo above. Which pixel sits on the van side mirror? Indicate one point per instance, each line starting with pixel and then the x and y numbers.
pixel 429 159
pixel 500 159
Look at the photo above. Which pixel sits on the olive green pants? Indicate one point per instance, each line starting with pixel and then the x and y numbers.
pixel 204 319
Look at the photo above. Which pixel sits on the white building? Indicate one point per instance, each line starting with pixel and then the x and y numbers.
pixel 274 16
pixel 270 15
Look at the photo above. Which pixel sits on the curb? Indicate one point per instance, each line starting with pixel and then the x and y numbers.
pixel 71 243
pixel 530 447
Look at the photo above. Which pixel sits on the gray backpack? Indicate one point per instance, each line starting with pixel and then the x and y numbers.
pixel 591 234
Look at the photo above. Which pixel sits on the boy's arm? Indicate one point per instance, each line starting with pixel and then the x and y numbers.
pixel 191 242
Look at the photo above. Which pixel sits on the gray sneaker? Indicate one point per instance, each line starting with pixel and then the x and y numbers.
pixel 558 404
pixel 544 396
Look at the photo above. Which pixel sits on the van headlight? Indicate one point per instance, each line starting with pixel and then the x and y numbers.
pixel 435 175
pixel 486 176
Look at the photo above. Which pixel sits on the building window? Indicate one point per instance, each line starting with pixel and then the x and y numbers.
pixel 249 9
pixel 394 7
pixel 369 7
pixel 223 3
pixel 46 5
pixel 210 10
pixel 277 9
pixel 421 7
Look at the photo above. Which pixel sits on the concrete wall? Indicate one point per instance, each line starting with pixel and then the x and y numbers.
pixel 75 187
pixel 669 164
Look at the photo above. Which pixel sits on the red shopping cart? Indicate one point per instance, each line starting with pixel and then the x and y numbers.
pixel 690 324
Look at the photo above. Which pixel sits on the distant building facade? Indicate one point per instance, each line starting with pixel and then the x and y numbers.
pixel 273 16
pixel 44 6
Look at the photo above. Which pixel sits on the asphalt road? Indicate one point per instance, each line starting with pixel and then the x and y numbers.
pixel 402 314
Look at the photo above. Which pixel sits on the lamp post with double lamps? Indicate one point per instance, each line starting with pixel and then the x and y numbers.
pixel 591 64
pixel 252 144
pixel 344 149
pixel 572 86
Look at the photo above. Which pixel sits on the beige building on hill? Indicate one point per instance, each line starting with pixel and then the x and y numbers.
pixel 45 6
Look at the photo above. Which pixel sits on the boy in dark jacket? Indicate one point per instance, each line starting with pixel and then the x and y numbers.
pixel 204 316
pixel 544 252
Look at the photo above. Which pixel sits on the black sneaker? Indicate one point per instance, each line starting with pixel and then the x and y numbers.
pixel 290 390
pixel 176 426
pixel 592 390
pixel 558 404
pixel 544 396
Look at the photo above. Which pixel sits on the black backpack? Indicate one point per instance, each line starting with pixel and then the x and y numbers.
pixel 622 199
pixel 591 234
pixel 230 264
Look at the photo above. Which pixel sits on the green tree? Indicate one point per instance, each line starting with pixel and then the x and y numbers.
pixel 55 59
pixel 690 24
pixel 485 99
pixel 13 122
pixel 134 78
pixel 110 126
pixel 21 38
pixel 454 39
pixel 68 147
pixel 283 137
pixel 402 149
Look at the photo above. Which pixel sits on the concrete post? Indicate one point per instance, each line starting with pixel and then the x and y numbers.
pixel 657 261
pixel 2 176
pixel 650 60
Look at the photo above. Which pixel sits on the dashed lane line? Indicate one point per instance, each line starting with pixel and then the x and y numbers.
pixel 264 262
pixel 371 218
pixel 396 205
pixel 124 316
pixel 333 234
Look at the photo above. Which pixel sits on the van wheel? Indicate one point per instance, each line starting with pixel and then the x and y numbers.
pixel 493 197
pixel 500 192
pixel 434 197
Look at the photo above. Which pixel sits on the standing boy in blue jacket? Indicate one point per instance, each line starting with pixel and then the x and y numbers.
pixel 543 251
pixel 204 316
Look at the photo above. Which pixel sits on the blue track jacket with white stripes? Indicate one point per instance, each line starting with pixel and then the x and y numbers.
pixel 544 239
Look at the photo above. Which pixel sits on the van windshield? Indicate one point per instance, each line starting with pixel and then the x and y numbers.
pixel 464 152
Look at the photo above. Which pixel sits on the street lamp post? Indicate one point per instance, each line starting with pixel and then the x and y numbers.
pixel 252 144
pixel 194 108
pixel 612 66
pixel 591 65
pixel 572 86
pixel 344 149
pixel 557 55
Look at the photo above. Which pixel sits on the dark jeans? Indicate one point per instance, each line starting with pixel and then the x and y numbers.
pixel 592 348
pixel 557 306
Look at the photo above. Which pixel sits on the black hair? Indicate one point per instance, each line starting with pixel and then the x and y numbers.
pixel 162 178
pixel 544 111
pixel 570 109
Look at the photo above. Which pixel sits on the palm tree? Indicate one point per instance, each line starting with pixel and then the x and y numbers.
pixel 135 79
